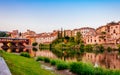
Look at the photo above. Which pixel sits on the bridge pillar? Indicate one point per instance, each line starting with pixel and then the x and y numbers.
pixel 13 45
pixel 4 46
pixel 20 45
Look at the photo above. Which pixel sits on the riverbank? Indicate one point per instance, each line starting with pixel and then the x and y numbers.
pixel 53 69
pixel 72 68
pixel 19 65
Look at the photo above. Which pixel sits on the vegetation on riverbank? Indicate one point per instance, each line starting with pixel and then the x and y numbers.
pixel 70 47
pixel 19 65
pixel 81 68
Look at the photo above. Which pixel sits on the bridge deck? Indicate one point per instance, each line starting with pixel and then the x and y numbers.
pixel 8 39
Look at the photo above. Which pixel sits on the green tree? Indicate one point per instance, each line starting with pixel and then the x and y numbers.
pixel 99 48
pixel 78 38
pixel 81 48
pixel 66 39
pixel 35 50
pixel 3 34
pixel 109 49
pixel 34 44
pixel 71 39
pixel 88 48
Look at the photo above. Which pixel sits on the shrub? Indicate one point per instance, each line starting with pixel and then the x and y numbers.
pixel 25 54
pixel 1 51
pixel 53 62
pixel 74 67
pixel 40 59
pixel 82 68
pixel 47 60
pixel 62 66
pixel 100 71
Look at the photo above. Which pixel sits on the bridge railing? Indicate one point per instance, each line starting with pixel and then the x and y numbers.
pixel 7 39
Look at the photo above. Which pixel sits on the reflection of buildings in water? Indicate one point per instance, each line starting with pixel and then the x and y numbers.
pixel 46 53
pixel 108 60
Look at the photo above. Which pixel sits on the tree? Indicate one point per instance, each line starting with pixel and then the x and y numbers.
pixel 20 34
pixel 35 50
pixel 34 44
pixel 64 33
pixel 88 48
pixel 109 49
pixel 3 34
pixel 78 38
pixel 71 39
pixel 82 48
pixel 99 49
pixel 66 39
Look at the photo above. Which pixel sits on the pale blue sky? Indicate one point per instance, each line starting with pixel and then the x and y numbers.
pixel 47 15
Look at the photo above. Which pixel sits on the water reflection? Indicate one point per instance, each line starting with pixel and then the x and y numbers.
pixel 107 60
pixel 16 50
pixel 45 53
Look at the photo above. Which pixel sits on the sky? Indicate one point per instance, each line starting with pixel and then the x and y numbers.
pixel 48 15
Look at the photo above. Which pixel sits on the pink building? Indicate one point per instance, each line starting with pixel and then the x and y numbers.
pixel 83 31
pixel 108 34
pixel 68 33
pixel 28 33
pixel 46 38
pixel 14 34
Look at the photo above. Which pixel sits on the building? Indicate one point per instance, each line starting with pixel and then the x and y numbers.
pixel 28 33
pixel 83 31
pixel 107 34
pixel 14 34
pixel 46 38
pixel 68 33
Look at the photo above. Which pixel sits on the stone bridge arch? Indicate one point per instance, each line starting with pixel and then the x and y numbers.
pixel 14 43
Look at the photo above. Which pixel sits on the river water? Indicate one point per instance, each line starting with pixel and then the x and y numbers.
pixel 109 60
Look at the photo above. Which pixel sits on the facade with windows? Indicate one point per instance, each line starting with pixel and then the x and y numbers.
pixel 107 34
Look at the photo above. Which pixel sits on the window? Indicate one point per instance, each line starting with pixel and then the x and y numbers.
pixel 114 31
pixel 99 40
pixel 104 39
pixel 95 40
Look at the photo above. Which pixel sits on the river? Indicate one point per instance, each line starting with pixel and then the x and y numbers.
pixel 110 60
